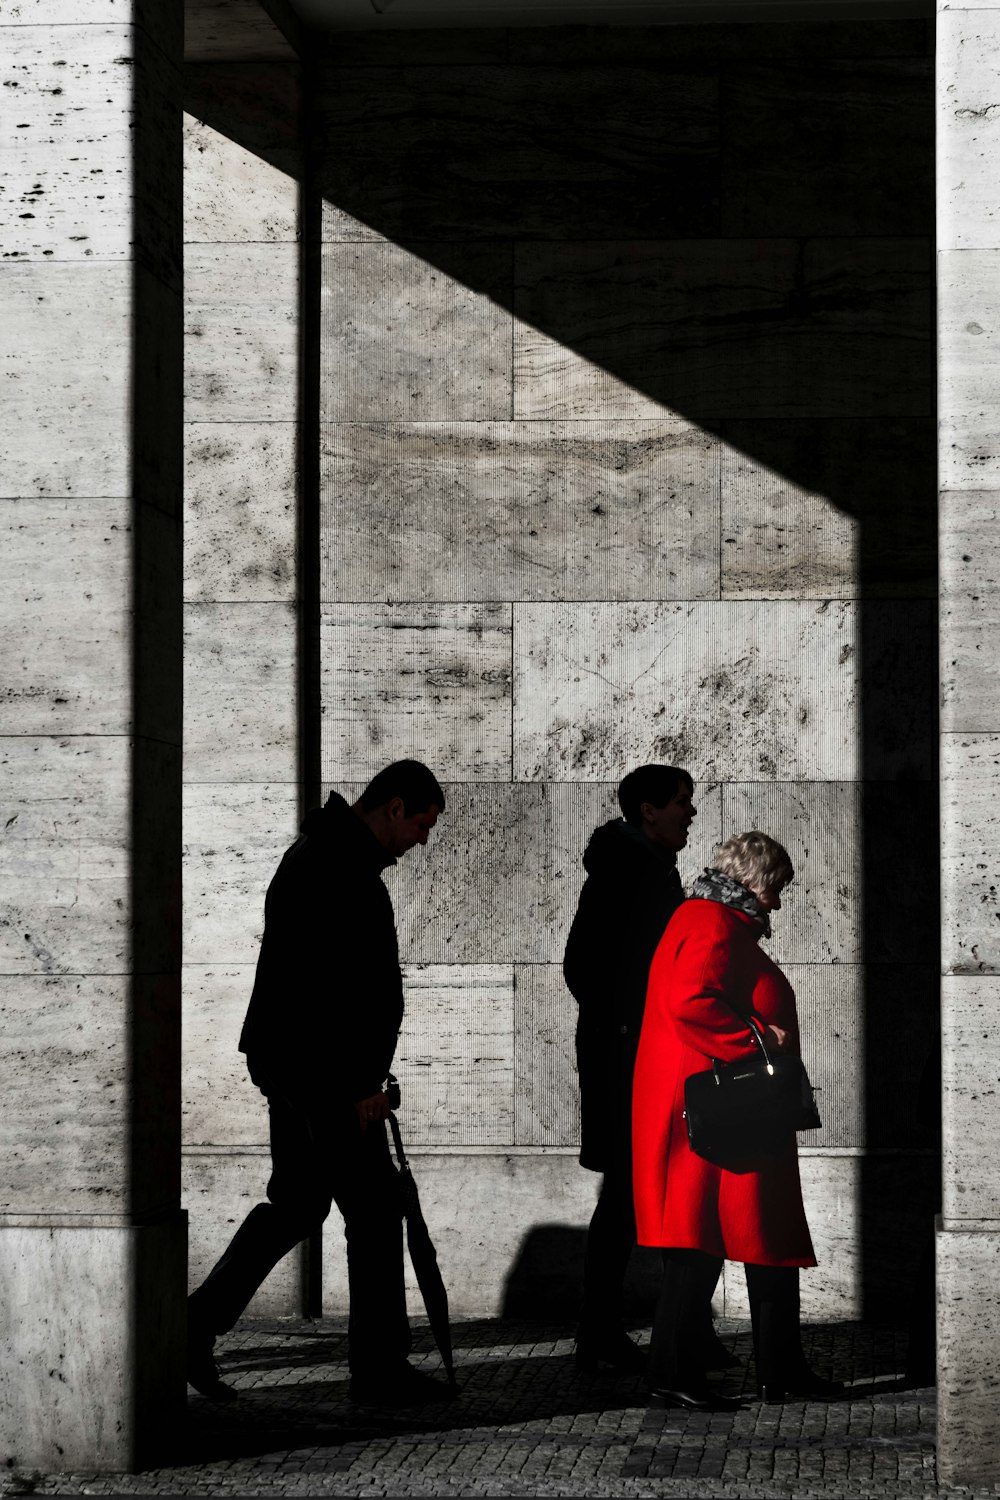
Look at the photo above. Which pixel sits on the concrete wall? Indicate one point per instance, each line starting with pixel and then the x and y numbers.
pixel 242 590
pixel 627 455
pixel 968 331
pixel 91 1236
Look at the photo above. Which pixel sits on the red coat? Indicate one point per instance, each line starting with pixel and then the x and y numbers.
pixel 709 950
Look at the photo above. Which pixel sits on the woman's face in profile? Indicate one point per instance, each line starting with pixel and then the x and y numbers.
pixel 770 899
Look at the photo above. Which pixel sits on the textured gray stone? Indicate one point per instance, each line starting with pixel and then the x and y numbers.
pixel 69 182
pixel 231 194
pixel 970 615
pixel 242 332
pixel 240 534
pixel 64 860
pixel 257 105
pixel 65 617
pixel 68 1394
pixel 220 1189
pixel 547 1095
pixel 92 168
pixel 723 328
pixel 67 1029
pixel 969 1093
pixel 455 1055
pixel 431 681
pixel 410 337
pixel 830 999
pixel 969 368
pixel 970 816
pixel 801 518
pixel 240 713
pixel 779 539
pixel 523 510
pixel 220 1106
pixel 234 836
pixel 737 690
pixel 968 44
pixel 484 1212
pixel 73 415
pixel 501 874
pixel 820 825
pixel 968 1338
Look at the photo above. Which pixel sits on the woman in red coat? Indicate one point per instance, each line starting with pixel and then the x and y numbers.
pixel 701 1213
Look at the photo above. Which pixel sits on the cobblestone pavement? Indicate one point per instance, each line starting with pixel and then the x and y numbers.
pixel 527 1423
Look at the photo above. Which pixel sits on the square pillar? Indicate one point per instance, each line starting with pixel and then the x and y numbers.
pixel 968 1239
pixel 92 1238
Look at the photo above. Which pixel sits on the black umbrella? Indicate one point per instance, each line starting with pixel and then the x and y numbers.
pixel 424 1256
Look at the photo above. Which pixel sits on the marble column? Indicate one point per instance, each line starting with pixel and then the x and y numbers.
pixel 92 1238
pixel 968 1241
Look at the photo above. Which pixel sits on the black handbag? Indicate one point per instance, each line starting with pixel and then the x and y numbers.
pixel 748 1108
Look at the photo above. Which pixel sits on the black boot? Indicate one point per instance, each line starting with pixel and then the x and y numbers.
pixel 782 1370
pixel 202 1371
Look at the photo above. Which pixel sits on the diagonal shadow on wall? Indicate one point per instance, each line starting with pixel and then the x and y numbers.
pixel 733 224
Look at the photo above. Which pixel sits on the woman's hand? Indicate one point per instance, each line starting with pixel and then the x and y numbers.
pixel 777 1037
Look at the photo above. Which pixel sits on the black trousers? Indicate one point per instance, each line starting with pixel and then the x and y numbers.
pixel 610 1242
pixel 321 1156
pixel 691 1275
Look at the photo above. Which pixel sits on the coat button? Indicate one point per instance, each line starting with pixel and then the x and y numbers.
pixel 623 1031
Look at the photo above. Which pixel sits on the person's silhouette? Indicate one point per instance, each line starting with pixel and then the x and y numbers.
pixel 319 1038
pixel 631 892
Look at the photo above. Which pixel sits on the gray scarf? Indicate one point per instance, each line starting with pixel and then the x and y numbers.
pixel 714 886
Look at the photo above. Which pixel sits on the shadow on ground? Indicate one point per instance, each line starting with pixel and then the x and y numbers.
pixel 293 1382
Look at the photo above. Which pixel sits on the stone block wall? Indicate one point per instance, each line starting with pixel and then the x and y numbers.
pixel 242 592
pixel 627 454
pixel 968 1243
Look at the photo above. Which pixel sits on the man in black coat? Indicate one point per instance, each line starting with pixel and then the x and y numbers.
pixel 631 891
pixel 319 1038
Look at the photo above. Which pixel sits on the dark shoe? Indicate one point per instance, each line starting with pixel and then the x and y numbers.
pixel 698 1398
pixel 401 1385
pixel 203 1372
pixel 615 1349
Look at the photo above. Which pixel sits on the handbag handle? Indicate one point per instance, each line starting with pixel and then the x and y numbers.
pixel 756 1031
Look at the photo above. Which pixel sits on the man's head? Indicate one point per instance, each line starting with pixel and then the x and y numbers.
pixel 401 805
pixel 657 801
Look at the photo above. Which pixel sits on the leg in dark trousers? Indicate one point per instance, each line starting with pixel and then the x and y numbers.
pixel 319 1157
pixel 610 1242
pixel 774 1311
pixel 677 1345
pixel 773 1292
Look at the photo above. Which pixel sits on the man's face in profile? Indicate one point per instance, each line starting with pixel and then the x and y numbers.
pixel 405 831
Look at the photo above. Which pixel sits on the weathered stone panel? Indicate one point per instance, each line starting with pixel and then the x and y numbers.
pixel 520 510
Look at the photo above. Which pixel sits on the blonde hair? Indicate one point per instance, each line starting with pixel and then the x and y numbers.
pixel 756 861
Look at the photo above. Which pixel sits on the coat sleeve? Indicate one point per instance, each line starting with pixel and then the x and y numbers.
pixel 690 981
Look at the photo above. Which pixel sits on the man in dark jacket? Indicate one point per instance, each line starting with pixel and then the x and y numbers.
pixel 319 1038
pixel 631 891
